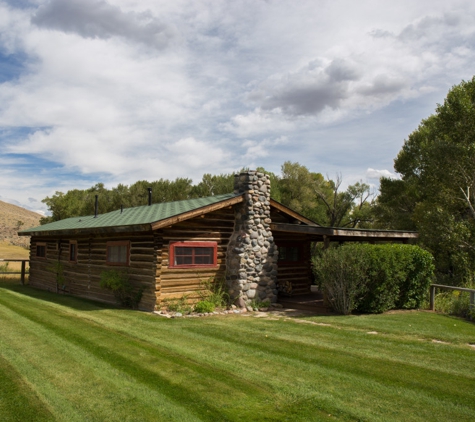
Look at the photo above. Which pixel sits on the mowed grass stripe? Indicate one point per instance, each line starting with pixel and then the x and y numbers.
pixel 18 401
pixel 347 366
pixel 165 353
pixel 169 370
pixel 65 373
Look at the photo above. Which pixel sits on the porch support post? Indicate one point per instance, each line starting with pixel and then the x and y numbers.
pixel 23 270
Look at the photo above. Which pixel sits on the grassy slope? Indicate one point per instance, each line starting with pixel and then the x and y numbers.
pixel 10 217
pixel 75 360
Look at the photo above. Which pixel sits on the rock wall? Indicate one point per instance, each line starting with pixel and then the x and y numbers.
pixel 252 255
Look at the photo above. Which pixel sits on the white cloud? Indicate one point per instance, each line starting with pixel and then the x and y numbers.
pixel 264 148
pixel 377 174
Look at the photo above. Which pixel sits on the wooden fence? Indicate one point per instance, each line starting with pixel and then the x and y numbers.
pixel 461 289
pixel 23 268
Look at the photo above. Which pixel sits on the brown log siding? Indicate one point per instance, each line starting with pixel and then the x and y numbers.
pixel 173 283
pixel 82 277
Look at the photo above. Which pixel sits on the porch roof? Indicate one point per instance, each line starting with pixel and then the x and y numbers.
pixel 335 234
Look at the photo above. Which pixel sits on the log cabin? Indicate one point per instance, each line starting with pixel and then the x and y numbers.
pixel 258 247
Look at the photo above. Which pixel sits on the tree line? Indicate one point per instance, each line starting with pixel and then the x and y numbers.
pixel 306 192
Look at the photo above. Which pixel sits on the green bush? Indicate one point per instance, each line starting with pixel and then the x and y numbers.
pixel 454 303
pixel 58 269
pixel 399 277
pixel 215 292
pixel 374 278
pixel 118 282
pixel 204 306
pixel 342 275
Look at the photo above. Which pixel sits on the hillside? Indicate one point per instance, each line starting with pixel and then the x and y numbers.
pixel 14 218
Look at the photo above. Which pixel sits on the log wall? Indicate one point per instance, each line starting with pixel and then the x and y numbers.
pixel 173 283
pixel 82 278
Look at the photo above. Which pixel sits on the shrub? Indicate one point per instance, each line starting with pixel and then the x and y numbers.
pixel 215 292
pixel 204 306
pixel 118 282
pixel 341 273
pixel 58 269
pixel 374 278
pixel 399 277
pixel 454 303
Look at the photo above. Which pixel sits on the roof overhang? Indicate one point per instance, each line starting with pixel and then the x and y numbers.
pixel 197 212
pixel 333 234
pixel 89 230
pixel 286 210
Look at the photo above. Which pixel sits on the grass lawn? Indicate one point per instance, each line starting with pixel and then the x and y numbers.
pixel 67 359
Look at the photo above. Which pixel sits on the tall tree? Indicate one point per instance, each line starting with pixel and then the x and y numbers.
pixel 435 194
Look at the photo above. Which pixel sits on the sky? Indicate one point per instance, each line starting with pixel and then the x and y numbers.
pixel 116 91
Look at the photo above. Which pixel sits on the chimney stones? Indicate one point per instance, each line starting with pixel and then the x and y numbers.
pixel 252 254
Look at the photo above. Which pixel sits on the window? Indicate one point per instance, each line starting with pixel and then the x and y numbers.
pixel 118 253
pixel 73 251
pixel 193 254
pixel 290 253
pixel 41 250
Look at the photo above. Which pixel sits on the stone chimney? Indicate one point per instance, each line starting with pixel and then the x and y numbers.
pixel 251 261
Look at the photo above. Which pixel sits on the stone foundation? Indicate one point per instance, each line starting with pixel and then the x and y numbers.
pixel 252 256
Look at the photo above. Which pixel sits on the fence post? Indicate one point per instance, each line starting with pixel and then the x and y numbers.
pixel 472 304
pixel 432 298
pixel 23 272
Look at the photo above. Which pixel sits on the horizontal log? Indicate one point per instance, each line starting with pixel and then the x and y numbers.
pixel 142 251
pixel 142 258
pixel 172 272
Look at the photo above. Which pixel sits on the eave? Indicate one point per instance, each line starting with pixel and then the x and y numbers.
pixel 196 213
pixel 317 233
pixel 300 218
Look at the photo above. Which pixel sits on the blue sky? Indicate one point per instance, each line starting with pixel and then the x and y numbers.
pixel 116 91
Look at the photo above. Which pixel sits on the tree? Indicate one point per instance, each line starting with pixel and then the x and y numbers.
pixel 436 192
pixel 214 185
pixel 321 200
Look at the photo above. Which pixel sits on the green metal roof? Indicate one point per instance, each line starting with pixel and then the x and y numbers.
pixel 145 214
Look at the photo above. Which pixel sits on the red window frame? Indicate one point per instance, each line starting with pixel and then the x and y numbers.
pixel 41 246
pixel 114 244
pixel 296 246
pixel 73 251
pixel 173 254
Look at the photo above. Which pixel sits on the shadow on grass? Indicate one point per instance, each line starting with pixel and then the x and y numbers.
pixel 80 304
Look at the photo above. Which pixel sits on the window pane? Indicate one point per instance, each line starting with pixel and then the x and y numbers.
pixel 183 251
pixel 183 260
pixel 193 255
pixel 72 252
pixel 289 253
pixel 41 251
pixel 204 256
pixel 117 253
